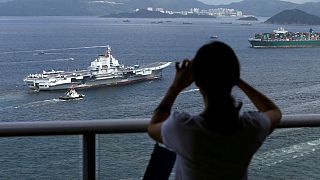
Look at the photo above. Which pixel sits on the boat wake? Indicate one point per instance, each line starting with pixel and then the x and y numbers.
pixel 54 49
pixel 47 53
pixel 42 61
pixel 33 104
pixel 284 154
pixel 190 90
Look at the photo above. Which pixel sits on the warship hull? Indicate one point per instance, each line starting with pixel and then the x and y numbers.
pixel 89 81
pixel 104 71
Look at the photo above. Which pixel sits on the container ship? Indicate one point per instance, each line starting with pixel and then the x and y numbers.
pixel 103 71
pixel 282 38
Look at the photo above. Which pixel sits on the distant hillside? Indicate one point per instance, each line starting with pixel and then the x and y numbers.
pixel 88 7
pixel 168 4
pixel 268 8
pixel 58 7
pixel 312 8
pixel 265 8
pixel 44 8
pixel 294 16
pixel 142 13
pixel 105 7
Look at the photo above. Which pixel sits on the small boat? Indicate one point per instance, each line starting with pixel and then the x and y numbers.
pixel 156 22
pixel 72 94
pixel 186 22
pixel 246 24
pixel 214 37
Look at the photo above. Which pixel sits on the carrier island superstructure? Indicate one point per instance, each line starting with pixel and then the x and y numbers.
pixel 103 71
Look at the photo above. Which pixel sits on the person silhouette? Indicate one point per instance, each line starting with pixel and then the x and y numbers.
pixel 220 141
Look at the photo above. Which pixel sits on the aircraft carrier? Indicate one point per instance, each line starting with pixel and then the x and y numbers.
pixel 103 71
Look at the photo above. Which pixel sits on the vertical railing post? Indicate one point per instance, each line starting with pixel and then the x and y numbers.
pixel 89 156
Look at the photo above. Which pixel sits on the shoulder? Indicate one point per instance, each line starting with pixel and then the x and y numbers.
pixel 177 122
pixel 181 116
pixel 178 118
pixel 253 115
pixel 256 119
pixel 173 129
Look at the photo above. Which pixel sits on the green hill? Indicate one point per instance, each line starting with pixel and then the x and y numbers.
pixel 294 16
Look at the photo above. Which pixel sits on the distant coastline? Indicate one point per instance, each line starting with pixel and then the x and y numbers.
pixel 154 14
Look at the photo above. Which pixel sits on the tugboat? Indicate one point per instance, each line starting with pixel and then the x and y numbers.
pixel 72 94
pixel 103 71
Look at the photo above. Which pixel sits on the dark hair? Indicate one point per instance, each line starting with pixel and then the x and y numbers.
pixel 216 71
pixel 216 66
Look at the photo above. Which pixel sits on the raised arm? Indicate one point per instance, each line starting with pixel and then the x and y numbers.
pixel 182 80
pixel 262 103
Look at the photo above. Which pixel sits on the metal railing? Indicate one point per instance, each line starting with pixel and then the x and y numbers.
pixel 88 129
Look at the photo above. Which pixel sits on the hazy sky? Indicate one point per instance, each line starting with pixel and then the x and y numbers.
pixel 218 2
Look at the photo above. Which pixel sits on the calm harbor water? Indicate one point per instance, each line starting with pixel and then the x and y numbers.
pixel 291 77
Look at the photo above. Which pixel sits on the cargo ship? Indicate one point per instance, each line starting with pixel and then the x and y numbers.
pixel 103 71
pixel 282 38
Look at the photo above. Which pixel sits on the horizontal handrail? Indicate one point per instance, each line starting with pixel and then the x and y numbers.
pixel 300 120
pixel 89 128
pixel 77 127
pixel 107 126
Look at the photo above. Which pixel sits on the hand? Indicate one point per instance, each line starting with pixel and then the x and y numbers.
pixel 183 76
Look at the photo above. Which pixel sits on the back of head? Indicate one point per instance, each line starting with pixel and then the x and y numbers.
pixel 216 71
pixel 216 67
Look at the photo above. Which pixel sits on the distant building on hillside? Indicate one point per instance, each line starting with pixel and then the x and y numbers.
pixel 160 10
pixel 198 11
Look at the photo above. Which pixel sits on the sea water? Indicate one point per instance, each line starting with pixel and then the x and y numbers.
pixel 291 77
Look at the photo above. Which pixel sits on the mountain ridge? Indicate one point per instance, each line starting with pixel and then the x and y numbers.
pixel 262 8
pixel 294 16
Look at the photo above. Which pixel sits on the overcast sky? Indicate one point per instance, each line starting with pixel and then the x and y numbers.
pixel 219 2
